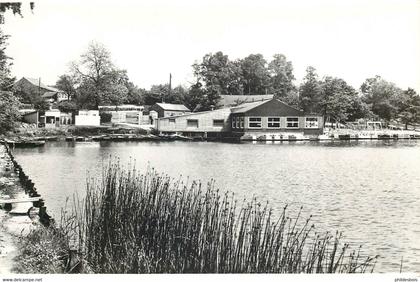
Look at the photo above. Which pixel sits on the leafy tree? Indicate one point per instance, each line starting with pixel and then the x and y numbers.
pixel 381 96
pixel 281 76
pixel 216 76
pixel 409 107
pixel 67 106
pixel 256 78
pixel 291 98
pixel 135 95
pixel 15 7
pixel 67 83
pixel 310 91
pixel 9 111
pixel 337 98
pixel 177 95
pixel 236 78
pixel 6 80
pixel 40 103
pixel 100 81
pixel 195 99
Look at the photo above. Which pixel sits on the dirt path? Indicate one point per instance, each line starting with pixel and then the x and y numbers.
pixel 11 226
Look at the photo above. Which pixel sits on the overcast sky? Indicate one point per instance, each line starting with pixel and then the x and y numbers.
pixel 352 39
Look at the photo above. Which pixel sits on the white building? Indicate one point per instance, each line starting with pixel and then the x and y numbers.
pixel 88 118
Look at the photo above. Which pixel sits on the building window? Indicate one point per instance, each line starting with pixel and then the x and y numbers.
pixel 218 122
pixel 234 122
pixel 237 123
pixel 311 122
pixel 255 122
pixel 172 120
pixel 192 123
pixel 292 122
pixel 274 122
pixel 241 124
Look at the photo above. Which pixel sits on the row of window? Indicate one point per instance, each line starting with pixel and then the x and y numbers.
pixel 194 122
pixel 274 122
pixel 256 122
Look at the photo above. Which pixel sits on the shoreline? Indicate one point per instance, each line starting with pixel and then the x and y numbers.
pixel 19 218
pixel 35 136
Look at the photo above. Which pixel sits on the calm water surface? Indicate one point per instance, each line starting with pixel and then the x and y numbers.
pixel 369 190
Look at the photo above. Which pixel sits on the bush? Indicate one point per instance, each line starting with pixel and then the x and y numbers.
pixel 9 111
pixel 41 251
pixel 67 106
pixel 105 117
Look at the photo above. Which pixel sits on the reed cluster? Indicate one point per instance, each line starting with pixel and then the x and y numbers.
pixel 130 222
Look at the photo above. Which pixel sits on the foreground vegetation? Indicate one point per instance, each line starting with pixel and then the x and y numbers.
pixel 146 223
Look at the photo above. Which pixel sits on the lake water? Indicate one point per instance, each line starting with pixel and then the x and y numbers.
pixel 370 190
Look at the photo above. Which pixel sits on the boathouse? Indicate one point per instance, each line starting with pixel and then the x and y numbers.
pixel 254 120
pixel 273 117
pixel 201 124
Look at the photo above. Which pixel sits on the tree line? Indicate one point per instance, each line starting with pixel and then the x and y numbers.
pixel 94 80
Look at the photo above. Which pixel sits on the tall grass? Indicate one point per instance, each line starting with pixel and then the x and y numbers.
pixel 147 223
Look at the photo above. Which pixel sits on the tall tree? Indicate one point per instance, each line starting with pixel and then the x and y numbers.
pixel 256 78
pixel 217 76
pixel 67 83
pixel 195 100
pixel 281 76
pixel 135 95
pixel 337 98
pixel 100 81
pixel 6 79
pixel 310 91
pixel 409 107
pixel 381 96
pixel 9 111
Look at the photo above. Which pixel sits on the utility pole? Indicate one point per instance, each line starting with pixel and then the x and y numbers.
pixel 170 83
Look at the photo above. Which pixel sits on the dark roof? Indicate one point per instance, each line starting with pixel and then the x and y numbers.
pixel 234 100
pixel 25 112
pixel 247 106
pixel 173 107
pixel 272 103
pixel 35 81
pixel 49 94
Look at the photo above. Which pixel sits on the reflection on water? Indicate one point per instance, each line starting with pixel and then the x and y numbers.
pixel 370 190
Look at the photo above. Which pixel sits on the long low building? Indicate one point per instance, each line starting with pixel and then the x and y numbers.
pixel 272 118
pixel 202 124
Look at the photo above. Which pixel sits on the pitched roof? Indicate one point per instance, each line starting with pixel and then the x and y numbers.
pixel 172 107
pixel 25 112
pixel 234 100
pixel 49 94
pixel 37 83
pixel 248 106
pixel 196 113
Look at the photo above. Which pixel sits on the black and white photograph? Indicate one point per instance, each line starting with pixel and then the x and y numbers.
pixel 210 139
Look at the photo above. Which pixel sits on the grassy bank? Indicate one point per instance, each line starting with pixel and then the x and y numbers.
pixel 146 223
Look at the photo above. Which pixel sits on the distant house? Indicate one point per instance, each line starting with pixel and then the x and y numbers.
pixel 167 110
pixel 33 86
pixel 235 100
